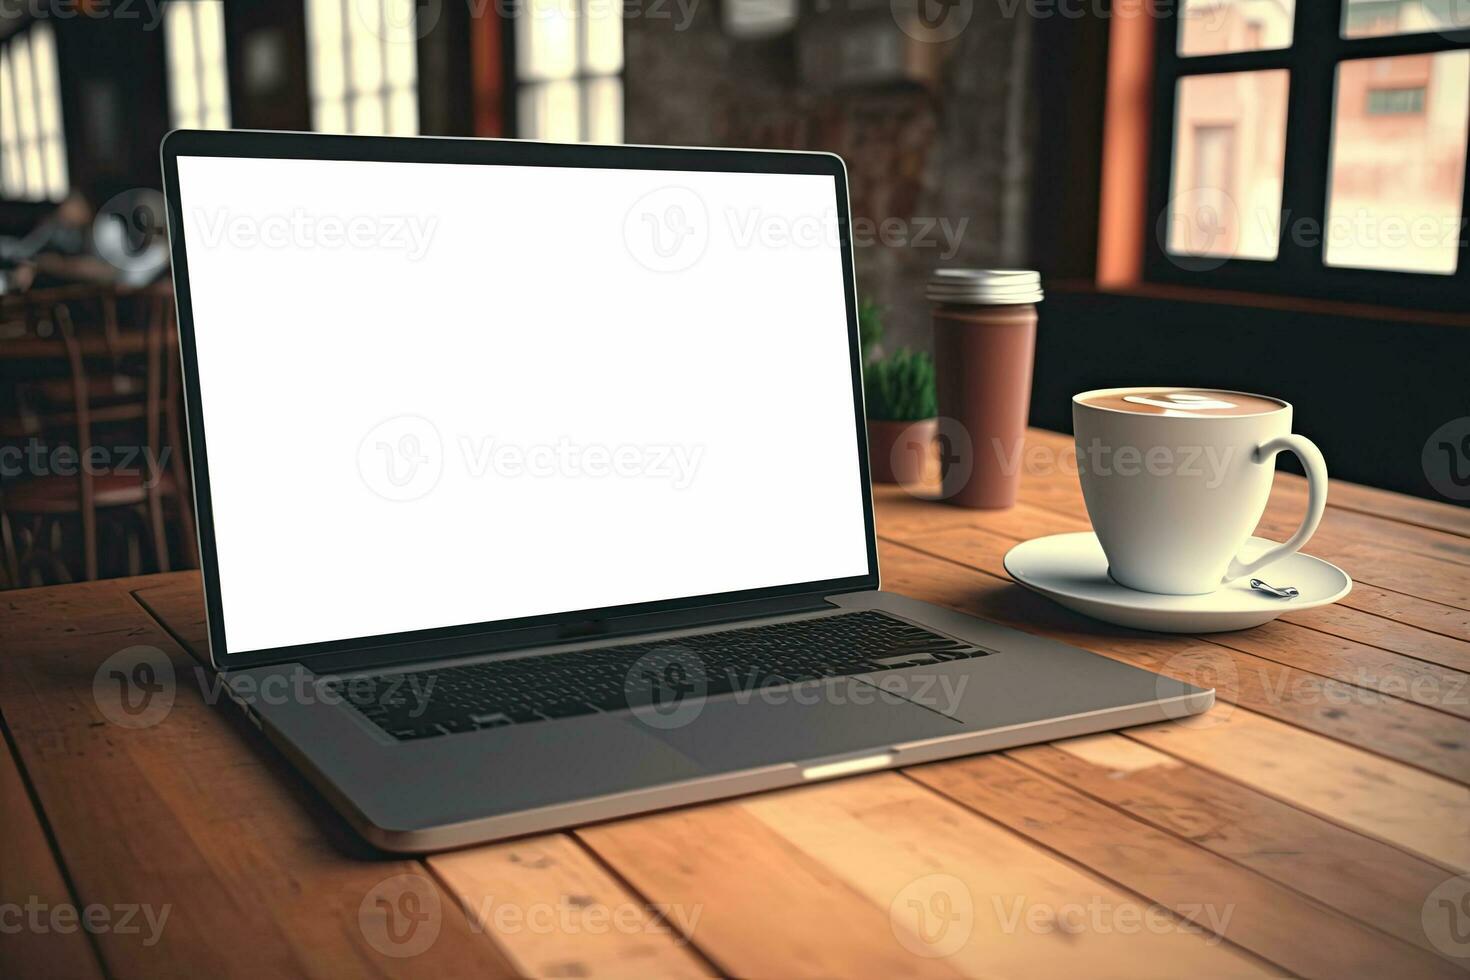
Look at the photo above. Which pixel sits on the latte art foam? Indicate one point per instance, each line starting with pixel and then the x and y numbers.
pixel 1185 402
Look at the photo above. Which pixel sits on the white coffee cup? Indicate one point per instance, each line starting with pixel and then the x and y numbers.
pixel 1175 488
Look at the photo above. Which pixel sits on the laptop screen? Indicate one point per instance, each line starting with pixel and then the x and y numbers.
pixel 444 394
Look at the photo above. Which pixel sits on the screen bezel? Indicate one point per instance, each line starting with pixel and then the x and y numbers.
pixel 529 630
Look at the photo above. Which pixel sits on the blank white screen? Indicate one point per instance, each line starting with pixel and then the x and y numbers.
pixel 378 343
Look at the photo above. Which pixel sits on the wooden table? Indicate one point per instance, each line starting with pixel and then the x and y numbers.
pixel 1314 823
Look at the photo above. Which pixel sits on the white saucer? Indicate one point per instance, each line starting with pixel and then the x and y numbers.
pixel 1072 570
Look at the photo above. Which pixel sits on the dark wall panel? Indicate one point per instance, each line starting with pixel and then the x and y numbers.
pixel 1369 392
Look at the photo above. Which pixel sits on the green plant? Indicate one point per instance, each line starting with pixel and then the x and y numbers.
pixel 870 326
pixel 900 387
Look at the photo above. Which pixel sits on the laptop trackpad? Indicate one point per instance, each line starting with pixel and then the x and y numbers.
pixel 815 720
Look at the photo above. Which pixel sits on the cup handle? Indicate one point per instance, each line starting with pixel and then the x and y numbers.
pixel 1316 468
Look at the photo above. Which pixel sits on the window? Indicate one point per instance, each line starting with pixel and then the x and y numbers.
pixel 1395 101
pixel 198 93
pixel 1313 148
pixel 568 65
pixel 32 147
pixel 364 66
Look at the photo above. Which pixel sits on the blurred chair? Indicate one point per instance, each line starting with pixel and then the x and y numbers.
pixel 91 405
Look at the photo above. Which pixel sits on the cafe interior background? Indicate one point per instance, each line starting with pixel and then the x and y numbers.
pixel 1261 195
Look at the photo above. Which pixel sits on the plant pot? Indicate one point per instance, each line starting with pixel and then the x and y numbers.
pixel 901 452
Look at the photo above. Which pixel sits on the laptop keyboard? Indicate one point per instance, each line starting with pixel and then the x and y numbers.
pixel 654 676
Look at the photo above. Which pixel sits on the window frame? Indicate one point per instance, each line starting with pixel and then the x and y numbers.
pixel 1298 269
pixel 352 93
pixel 581 76
pixel 43 137
pixel 201 109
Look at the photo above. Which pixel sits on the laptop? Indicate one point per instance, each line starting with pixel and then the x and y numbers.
pixel 532 486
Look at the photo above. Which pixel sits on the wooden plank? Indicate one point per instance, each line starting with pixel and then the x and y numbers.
pixel 1393 621
pixel 1404 624
pixel 1360 877
pixel 176 601
pixel 1413 810
pixel 42 918
pixel 1450 518
pixel 1343 621
pixel 1019 906
pixel 203 819
pixel 1362 665
pixel 1430 616
pixel 1349 526
pixel 1250 910
pixel 557 913
pixel 1369 668
pixel 766 908
pixel 1388 725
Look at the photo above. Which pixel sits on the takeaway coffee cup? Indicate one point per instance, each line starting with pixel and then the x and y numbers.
pixel 1176 479
pixel 984 345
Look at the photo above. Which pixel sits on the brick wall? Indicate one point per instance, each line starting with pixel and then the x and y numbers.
pixel 947 165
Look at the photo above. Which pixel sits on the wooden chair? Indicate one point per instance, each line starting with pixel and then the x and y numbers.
pixel 93 377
